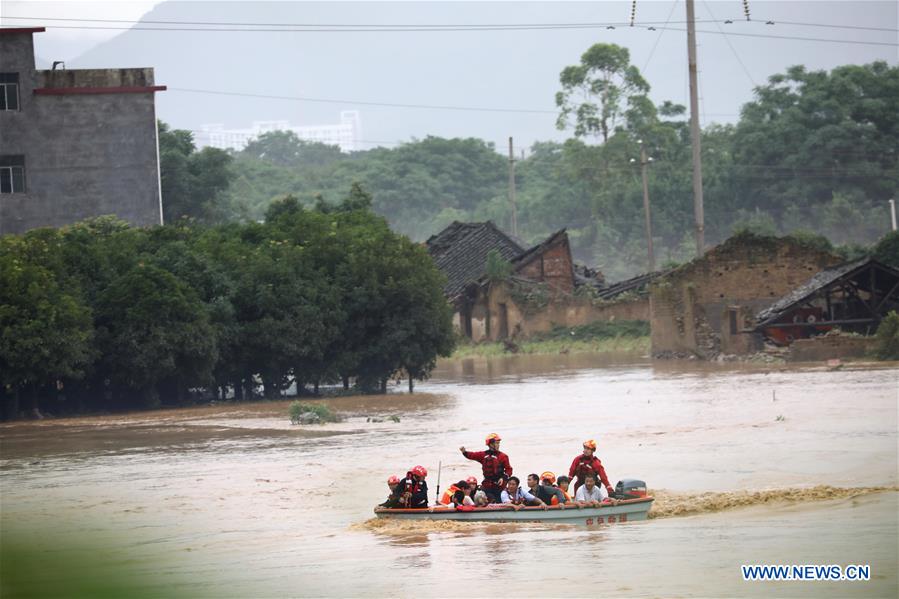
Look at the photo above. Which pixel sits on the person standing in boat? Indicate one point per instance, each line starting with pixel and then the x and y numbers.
pixel 495 465
pixel 586 464
pixel 412 491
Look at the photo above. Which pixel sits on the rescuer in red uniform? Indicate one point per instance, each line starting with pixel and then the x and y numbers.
pixel 587 463
pixel 496 467
pixel 412 491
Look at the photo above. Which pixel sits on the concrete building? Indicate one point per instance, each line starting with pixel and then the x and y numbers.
pixel 344 134
pixel 708 306
pixel 74 144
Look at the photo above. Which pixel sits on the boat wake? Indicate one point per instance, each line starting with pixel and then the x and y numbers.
pixel 670 504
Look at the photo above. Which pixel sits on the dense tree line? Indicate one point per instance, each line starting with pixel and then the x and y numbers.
pixel 99 315
pixel 813 152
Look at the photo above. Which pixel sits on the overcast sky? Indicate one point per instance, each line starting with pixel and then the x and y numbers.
pixel 461 69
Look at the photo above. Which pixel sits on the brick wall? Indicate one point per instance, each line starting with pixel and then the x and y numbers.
pixel 828 347
pixel 690 306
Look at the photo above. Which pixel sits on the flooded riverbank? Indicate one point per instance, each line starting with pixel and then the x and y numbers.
pixel 234 501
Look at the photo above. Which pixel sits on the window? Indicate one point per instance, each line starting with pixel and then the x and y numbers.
pixel 9 91
pixel 12 174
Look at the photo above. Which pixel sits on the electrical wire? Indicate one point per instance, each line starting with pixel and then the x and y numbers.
pixel 729 45
pixel 425 25
pixel 659 37
pixel 362 103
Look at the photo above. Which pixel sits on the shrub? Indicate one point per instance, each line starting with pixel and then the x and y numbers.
pixel 301 413
pixel 887 347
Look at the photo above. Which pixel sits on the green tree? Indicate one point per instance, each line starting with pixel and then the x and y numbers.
pixel 152 326
pixel 887 249
pixel 193 182
pixel 284 148
pixel 46 331
pixel 596 91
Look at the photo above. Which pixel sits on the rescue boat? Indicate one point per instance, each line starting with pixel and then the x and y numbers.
pixel 632 506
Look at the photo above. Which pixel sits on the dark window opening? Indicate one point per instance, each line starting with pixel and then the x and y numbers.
pixel 732 314
pixel 9 91
pixel 12 174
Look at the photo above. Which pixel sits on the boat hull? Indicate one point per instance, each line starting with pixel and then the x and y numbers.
pixel 626 511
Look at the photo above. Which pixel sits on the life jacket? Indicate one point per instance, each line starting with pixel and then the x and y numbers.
pixel 555 500
pixel 448 495
pixel 516 499
pixel 585 466
pixel 411 486
pixel 492 466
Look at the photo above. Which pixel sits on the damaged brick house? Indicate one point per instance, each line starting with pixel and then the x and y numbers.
pixel 705 307
pixel 850 297
pixel 545 288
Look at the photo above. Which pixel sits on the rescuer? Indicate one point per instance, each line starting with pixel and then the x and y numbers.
pixel 587 463
pixel 413 490
pixel 495 465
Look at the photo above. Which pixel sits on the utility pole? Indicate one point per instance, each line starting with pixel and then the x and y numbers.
pixel 893 213
pixel 512 190
pixel 698 213
pixel 644 161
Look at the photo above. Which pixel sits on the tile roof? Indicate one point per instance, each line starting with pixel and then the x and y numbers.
pixel 814 285
pixel 460 252
pixel 636 284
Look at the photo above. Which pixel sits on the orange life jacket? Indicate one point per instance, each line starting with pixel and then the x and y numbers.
pixel 448 496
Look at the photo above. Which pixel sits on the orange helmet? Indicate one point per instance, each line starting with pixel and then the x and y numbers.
pixel 548 476
pixel 491 438
pixel 590 444
pixel 420 471
pixel 393 480
pixel 472 480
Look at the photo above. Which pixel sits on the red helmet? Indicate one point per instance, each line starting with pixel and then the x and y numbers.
pixel 491 438
pixel 472 480
pixel 548 476
pixel 420 471
pixel 590 444
pixel 393 480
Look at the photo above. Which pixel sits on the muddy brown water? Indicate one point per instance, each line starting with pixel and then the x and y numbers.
pixel 751 464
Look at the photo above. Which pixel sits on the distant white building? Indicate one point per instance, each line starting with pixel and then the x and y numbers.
pixel 345 134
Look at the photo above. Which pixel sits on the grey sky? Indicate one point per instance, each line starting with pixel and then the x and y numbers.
pixel 497 69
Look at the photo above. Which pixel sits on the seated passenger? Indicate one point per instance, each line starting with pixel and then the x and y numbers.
pixel 546 493
pixel 412 491
pixel 549 479
pixel 460 499
pixel 480 498
pixel 392 499
pixel 473 486
pixel 590 495
pixel 562 484
pixel 448 495
pixel 513 494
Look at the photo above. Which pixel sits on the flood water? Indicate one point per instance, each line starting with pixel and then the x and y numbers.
pixel 233 501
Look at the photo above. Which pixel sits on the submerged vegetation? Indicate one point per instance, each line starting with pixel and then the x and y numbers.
pixel 303 413
pixel 624 336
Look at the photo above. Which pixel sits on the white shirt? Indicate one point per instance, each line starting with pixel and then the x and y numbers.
pixel 520 496
pixel 598 494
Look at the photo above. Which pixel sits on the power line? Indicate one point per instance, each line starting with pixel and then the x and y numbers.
pixel 362 103
pixel 729 45
pixel 457 29
pixel 659 37
pixel 467 26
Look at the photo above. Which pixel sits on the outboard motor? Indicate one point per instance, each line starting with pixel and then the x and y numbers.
pixel 630 488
